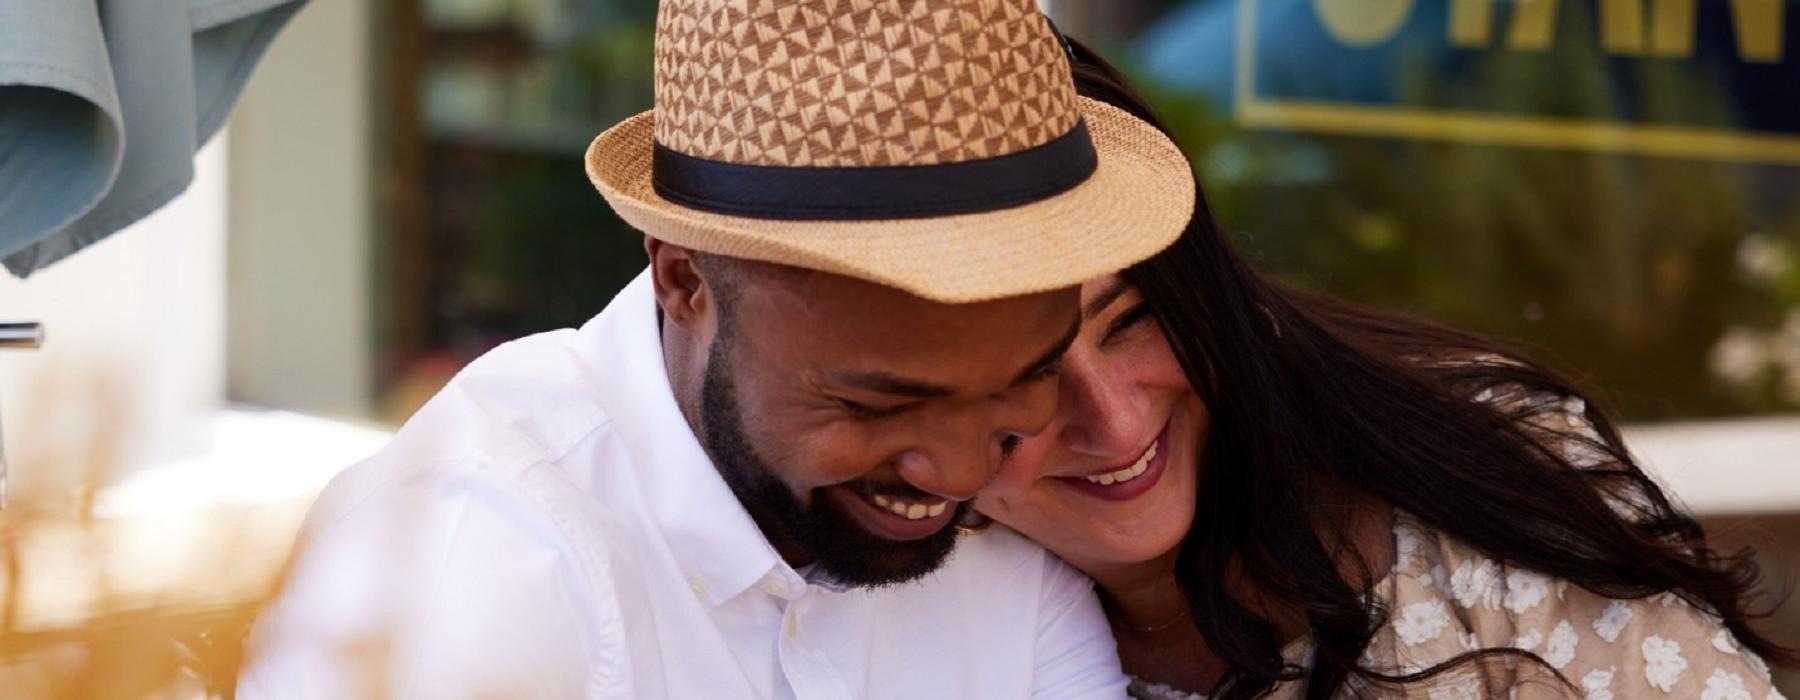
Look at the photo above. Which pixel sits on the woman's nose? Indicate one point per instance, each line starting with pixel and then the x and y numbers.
pixel 1099 414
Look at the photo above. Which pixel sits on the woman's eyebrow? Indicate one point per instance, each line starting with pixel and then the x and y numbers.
pixel 1105 298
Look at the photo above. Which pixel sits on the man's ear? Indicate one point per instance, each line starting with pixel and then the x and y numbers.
pixel 681 288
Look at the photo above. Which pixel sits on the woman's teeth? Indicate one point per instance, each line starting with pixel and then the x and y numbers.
pixel 909 509
pixel 1127 474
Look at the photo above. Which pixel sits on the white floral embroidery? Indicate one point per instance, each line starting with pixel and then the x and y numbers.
pixel 1368 656
pixel 1597 684
pixel 1561 587
pixel 1725 686
pixel 1723 642
pixel 1758 666
pixel 1421 622
pixel 1775 695
pixel 1140 688
pixel 1574 411
pixel 1663 663
pixel 1529 641
pixel 1455 692
pixel 1560 649
pixel 1666 599
pixel 1470 642
pixel 1613 621
pixel 1525 589
pixel 1407 542
pixel 1476 584
pixel 1456 686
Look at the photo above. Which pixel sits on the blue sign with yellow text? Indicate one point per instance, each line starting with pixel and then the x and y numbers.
pixel 1687 78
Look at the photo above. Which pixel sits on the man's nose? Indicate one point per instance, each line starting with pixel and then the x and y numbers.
pixel 946 473
pixel 966 450
pixel 960 459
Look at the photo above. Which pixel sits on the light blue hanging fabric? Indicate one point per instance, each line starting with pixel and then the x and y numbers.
pixel 102 105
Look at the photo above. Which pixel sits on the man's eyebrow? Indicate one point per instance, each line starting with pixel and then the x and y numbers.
pixel 1106 297
pixel 885 383
pixel 1051 356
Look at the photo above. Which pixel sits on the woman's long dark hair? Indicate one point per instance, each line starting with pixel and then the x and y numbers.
pixel 1312 397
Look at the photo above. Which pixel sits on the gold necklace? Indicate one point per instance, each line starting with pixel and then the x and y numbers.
pixel 1154 628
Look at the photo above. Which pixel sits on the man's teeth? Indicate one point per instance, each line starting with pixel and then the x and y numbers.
pixel 909 509
pixel 1127 474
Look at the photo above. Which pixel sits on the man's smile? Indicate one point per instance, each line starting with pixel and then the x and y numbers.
pixel 893 516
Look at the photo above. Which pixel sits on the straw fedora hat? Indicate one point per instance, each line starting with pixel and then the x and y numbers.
pixel 934 146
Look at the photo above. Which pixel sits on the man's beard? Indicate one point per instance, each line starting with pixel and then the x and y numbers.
pixel 841 548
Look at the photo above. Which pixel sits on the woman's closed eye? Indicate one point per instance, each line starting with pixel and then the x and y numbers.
pixel 1121 325
pixel 1008 445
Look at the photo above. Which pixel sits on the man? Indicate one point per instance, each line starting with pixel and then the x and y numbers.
pixel 865 221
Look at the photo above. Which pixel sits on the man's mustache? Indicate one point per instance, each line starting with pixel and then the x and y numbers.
pixel 889 488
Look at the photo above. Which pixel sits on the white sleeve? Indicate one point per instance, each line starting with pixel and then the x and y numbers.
pixel 448 583
pixel 1076 655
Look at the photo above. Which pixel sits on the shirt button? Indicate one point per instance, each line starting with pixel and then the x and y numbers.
pixel 775 586
pixel 698 586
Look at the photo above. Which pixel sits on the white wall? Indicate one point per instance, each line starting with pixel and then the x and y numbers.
pixel 146 333
pixel 300 196
pixel 132 369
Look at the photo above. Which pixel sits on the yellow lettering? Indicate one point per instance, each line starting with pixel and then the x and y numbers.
pixel 1624 30
pixel 1471 23
pixel 1533 25
pixel 1672 28
pixel 1758 24
pixel 1622 26
pixel 1363 22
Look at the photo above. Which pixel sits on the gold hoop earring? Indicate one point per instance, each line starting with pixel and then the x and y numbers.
pixel 973 523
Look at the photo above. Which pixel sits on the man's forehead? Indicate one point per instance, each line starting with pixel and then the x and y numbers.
pixel 847 306
pixel 841 326
pixel 827 294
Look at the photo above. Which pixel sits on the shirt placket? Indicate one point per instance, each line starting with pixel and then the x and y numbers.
pixel 806 666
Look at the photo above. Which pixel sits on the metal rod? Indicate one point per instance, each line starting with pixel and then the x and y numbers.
pixel 27 336
pixel 21 335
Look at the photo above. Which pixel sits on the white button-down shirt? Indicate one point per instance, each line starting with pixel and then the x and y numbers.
pixel 548 526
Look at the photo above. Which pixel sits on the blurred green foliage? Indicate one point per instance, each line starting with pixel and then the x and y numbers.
pixel 1666 285
pixel 1670 286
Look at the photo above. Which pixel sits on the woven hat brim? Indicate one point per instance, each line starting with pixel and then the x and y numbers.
pixel 1135 204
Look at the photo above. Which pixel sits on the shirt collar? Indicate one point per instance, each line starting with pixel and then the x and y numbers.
pixel 715 542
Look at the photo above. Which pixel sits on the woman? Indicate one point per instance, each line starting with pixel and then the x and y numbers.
pixel 1282 493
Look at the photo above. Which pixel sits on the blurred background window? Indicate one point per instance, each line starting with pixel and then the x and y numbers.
pixel 1613 186
pixel 1609 184
pixel 491 231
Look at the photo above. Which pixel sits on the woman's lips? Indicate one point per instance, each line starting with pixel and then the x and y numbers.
pixel 1129 481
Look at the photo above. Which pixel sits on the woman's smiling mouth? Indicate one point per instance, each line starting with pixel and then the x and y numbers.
pixel 1134 471
pixel 1129 481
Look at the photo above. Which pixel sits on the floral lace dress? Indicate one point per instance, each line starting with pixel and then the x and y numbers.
pixel 1444 599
